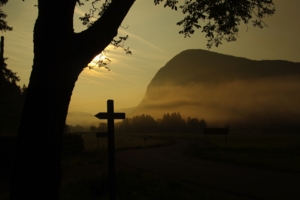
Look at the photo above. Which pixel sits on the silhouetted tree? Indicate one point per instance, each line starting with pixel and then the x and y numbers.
pixel 124 127
pixel 3 24
pixel 143 124
pixel 60 55
pixel 195 126
pixel 93 128
pixel 79 128
pixel 203 123
pixel 11 96
pixel 172 123
pixel 102 127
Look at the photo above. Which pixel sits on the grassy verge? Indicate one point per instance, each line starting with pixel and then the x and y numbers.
pixel 275 152
pixel 125 141
pixel 86 177
pixel 90 182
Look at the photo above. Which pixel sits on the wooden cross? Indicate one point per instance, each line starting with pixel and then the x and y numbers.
pixel 111 116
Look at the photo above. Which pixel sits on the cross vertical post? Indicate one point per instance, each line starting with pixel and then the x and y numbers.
pixel 111 150
pixel 111 116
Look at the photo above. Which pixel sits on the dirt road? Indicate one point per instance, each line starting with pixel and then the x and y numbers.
pixel 248 182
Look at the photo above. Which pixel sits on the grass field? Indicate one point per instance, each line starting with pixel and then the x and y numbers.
pixel 85 175
pixel 138 185
pixel 271 151
pixel 91 174
pixel 125 141
pixel 268 151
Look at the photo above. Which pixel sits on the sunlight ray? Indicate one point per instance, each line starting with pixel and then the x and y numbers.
pixel 123 77
pixel 93 81
pixel 96 73
pixel 141 40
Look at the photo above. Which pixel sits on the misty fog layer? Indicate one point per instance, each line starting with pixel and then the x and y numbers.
pixel 256 102
pixel 238 92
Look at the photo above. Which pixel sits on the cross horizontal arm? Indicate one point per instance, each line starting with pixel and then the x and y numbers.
pixel 102 115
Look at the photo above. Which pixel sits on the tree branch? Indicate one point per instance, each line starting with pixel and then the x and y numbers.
pixel 97 37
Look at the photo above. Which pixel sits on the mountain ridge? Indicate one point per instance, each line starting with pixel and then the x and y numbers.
pixel 212 62
pixel 199 81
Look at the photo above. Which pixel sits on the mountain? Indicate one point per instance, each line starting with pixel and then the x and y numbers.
pixel 224 89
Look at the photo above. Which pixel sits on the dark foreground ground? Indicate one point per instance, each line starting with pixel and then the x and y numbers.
pixel 253 183
pixel 167 173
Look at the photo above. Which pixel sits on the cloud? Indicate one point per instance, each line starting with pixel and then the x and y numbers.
pixel 91 80
pixel 142 40
pixel 118 76
pixel 126 32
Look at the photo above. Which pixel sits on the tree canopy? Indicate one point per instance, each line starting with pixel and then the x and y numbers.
pixel 218 19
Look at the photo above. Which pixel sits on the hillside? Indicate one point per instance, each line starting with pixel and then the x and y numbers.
pixel 225 89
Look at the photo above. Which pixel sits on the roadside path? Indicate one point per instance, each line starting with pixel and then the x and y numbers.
pixel 249 182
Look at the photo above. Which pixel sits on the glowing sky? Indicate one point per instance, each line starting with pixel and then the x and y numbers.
pixel 153 39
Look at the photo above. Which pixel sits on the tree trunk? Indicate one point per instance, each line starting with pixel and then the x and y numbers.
pixel 59 57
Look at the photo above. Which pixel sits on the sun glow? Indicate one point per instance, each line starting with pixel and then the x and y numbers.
pixel 98 59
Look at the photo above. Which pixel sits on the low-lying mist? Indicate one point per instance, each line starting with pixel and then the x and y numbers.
pixel 265 102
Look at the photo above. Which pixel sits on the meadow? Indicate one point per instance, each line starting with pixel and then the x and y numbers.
pixel 86 174
pixel 125 141
pixel 268 151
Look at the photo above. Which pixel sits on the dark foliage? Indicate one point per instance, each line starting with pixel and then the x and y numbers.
pixel 170 123
pixel 11 97
pixel 3 24
pixel 221 18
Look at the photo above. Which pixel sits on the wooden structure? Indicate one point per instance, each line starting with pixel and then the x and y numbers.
pixel 110 116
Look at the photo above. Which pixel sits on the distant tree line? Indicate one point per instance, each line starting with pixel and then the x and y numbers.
pixel 12 97
pixel 169 123
pixel 11 103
